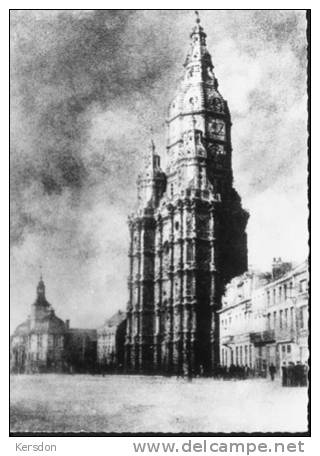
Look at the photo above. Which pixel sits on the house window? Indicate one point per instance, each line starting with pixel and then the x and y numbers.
pixel 281 319
pixel 301 318
pixel 291 318
pixel 286 318
pixel 166 247
pixel 285 291
pixel 288 348
pixel 290 289
pixel 274 320
pixel 303 286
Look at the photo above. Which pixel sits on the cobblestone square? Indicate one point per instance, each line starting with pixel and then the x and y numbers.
pixel 122 404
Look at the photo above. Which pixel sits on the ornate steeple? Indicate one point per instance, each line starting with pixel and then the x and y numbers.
pixel 41 301
pixel 153 158
pixel 198 146
pixel 198 54
pixel 40 307
pixel 151 182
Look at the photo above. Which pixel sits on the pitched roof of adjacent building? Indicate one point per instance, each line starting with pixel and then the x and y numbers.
pixel 114 321
pixel 83 332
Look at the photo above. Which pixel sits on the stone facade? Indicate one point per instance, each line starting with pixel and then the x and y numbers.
pixel 37 345
pixel 287 315
pixel 81 350
pixel 111 335
pixel 264 318
pixel 187 238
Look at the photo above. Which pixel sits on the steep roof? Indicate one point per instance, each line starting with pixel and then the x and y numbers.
pixel 114 321
pixel 82 332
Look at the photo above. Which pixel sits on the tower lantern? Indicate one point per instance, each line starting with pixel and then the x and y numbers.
pixel 41 289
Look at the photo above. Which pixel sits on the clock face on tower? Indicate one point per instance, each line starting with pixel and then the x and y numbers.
pixel 216 150
pixel 217 129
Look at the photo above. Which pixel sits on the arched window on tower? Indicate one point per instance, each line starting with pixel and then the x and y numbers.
pixel 190 252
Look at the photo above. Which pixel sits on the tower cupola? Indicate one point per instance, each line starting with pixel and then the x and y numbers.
pixel 41 289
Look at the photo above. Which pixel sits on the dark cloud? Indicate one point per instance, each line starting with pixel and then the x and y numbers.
pixel 62 63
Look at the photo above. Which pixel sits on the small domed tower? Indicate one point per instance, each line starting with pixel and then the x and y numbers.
pixel 41 289
pixel 37 345
pixel 40 307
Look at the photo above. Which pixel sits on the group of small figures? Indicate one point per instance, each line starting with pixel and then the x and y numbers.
pixel 233 372
pixel 294 374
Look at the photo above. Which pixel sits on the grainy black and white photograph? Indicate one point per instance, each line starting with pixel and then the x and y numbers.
pixel 159 259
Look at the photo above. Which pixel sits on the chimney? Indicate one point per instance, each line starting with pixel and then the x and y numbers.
pixel 67 324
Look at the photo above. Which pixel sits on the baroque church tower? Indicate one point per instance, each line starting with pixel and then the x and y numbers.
pixel 187 238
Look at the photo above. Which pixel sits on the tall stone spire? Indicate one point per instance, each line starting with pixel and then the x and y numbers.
pixel 188 241
pixel 151 181
pixel 198 126
pixel 198 53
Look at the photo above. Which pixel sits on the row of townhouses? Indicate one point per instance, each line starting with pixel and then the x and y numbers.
pixel 264 318
pixel 263 321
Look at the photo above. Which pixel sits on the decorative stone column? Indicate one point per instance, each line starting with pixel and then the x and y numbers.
pixel 215 294
pixel 158 296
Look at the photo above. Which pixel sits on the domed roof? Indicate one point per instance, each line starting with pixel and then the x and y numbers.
pixel 49 323
pixel 23 329
pixel 43 319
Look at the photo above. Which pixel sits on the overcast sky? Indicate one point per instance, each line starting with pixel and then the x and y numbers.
pixel 86 86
